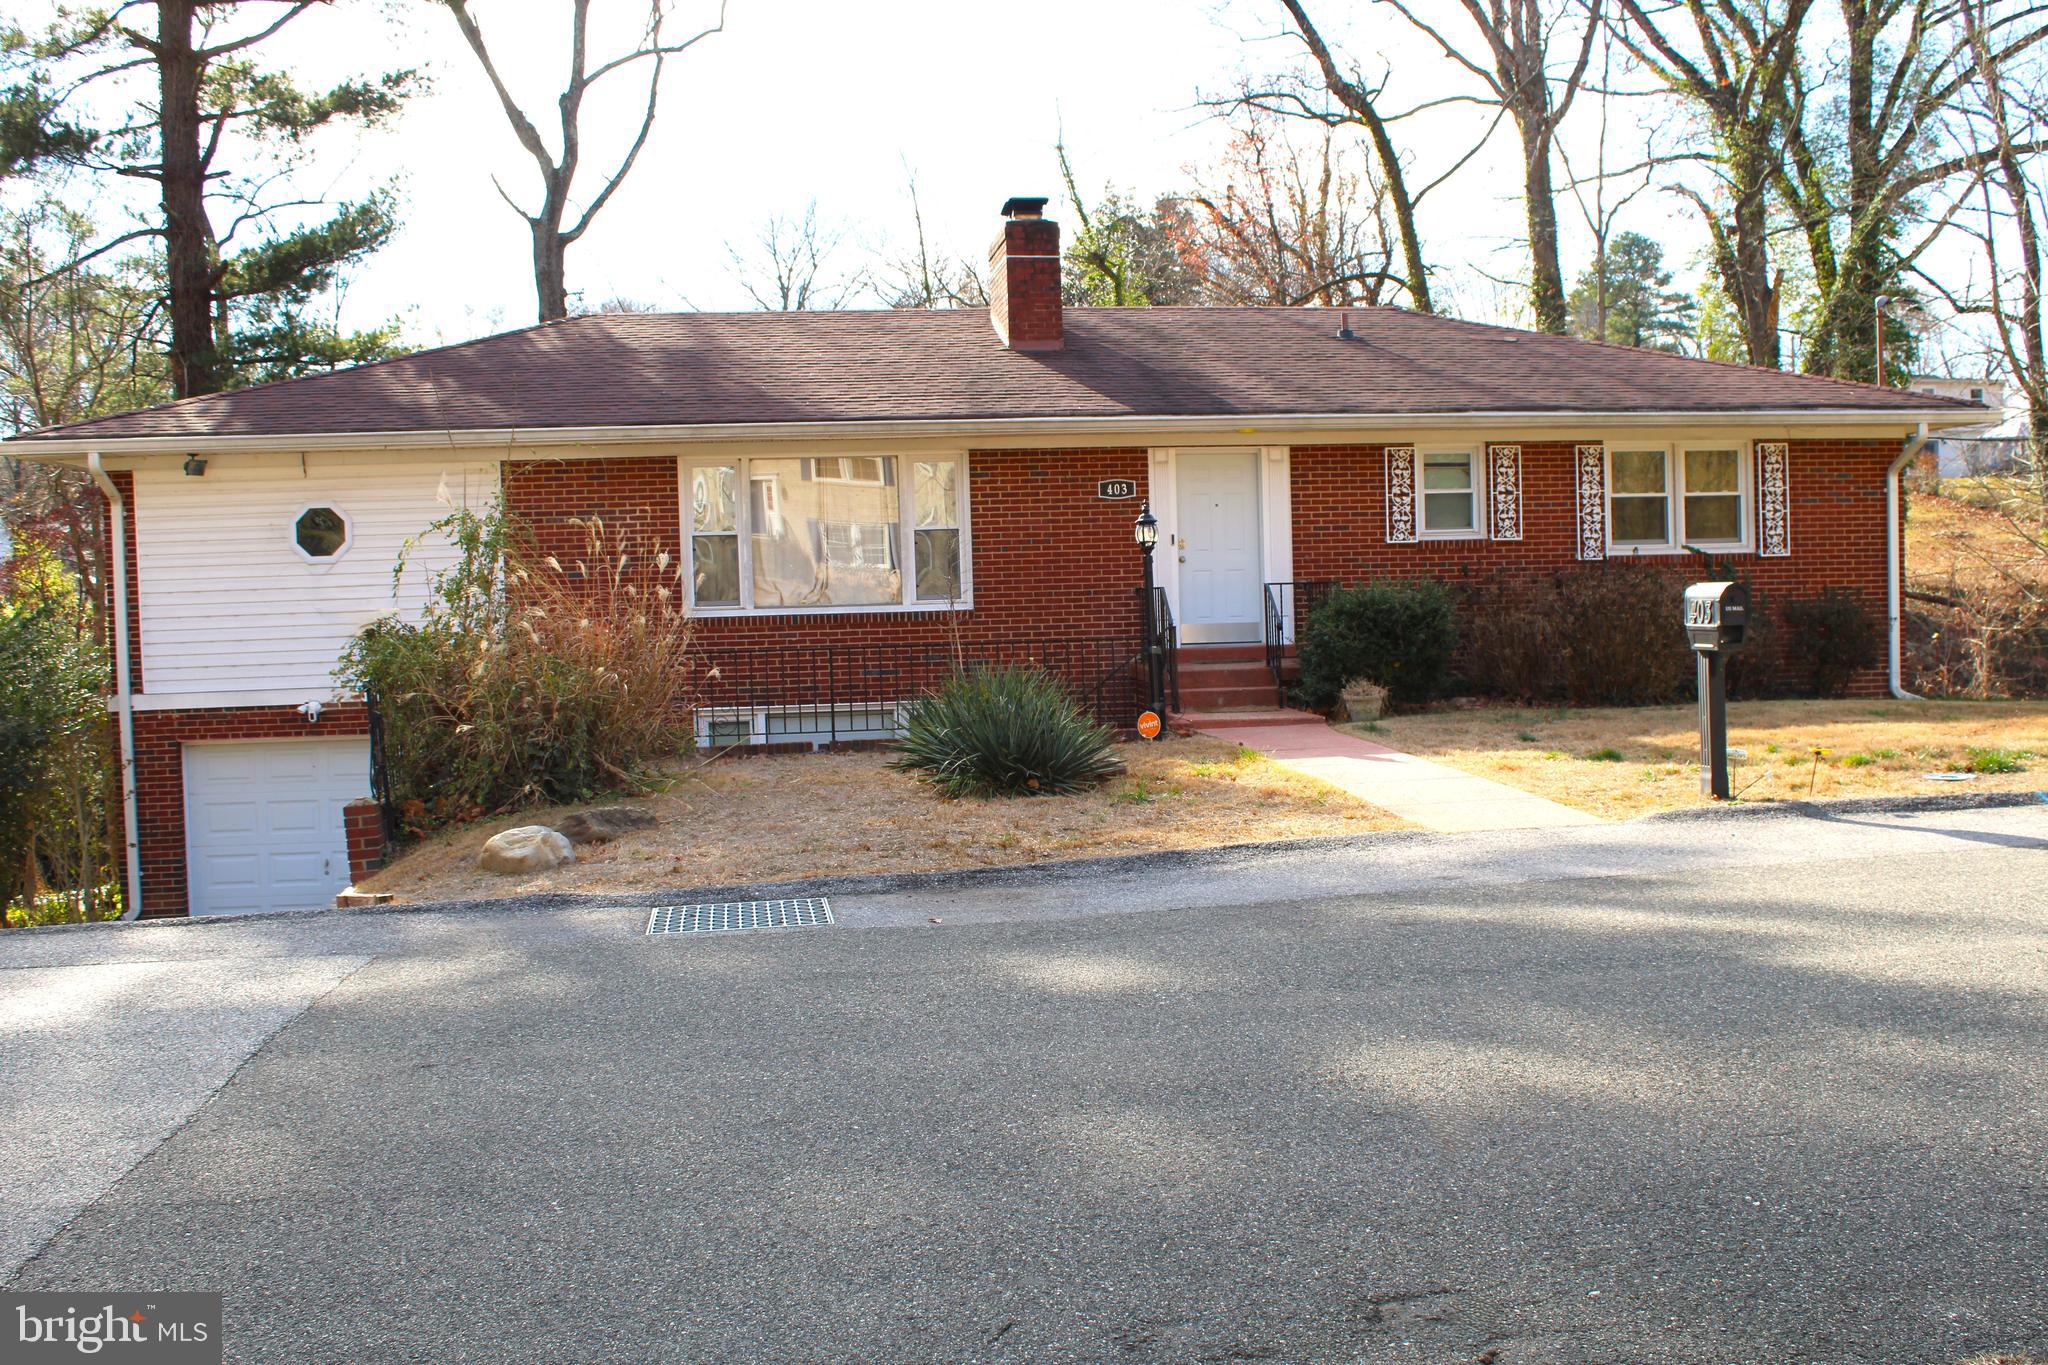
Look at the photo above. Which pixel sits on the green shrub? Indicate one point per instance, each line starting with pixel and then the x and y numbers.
pixel 1005 732
pixel 1399 634
pixel 1607 755
pixel 1828 639
pixel 525 680
pixel 57 773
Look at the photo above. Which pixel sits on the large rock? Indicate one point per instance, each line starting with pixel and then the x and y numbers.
pixel 529 848
pixel 600 823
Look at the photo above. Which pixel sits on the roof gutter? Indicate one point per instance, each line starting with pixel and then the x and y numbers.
pixel 1895 562
pixel 124 699
pixel 1226 424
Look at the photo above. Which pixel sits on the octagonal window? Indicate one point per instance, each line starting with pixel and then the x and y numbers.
pixel 320 533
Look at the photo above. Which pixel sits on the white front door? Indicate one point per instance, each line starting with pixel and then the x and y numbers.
pixel 1218 544
pixel 263 826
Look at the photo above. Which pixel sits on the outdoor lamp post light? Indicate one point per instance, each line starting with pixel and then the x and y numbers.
pixel 1146 532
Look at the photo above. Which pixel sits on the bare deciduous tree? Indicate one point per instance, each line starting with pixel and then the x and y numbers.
pixel 921 277
pixel 1288 226
pixel 1851 181
pixel 1360 100
pixel 1734 61
pixel 1517 71
pixel 553 231
pixel 792 265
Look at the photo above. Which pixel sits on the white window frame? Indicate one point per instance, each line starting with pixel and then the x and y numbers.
pixel 1677 542
pixel 348 533
pixel 906 536
pixel 1476 466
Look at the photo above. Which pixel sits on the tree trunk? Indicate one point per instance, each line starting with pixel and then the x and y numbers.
pixel 1404 212
pixel 188 235
pixel 1747 265
pixel 1546 282
pixel 550 271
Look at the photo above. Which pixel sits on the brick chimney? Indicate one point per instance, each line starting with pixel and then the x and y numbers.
pixel 1024 279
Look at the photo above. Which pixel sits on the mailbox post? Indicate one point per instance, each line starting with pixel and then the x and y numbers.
pixel 1716 616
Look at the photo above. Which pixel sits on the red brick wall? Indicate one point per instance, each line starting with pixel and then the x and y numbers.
pixel 1837 489
pixel 362 824
pixel 1049 558
pixel 160 737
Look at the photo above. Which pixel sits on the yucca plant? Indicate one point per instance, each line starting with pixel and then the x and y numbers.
pixel 997 731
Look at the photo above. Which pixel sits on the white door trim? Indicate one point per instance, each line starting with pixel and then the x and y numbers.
pixel 1276 515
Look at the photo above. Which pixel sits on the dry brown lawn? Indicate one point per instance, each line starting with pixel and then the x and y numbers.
pixel 1631 761
pixel 734 821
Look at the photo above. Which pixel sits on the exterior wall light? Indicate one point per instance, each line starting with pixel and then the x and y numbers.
pixel 194 466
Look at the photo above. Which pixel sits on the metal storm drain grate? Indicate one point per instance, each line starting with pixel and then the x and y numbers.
pixel 800 912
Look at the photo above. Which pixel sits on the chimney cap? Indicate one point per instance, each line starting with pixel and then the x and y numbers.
pixel 1024 206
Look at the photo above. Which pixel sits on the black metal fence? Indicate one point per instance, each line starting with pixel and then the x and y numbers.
pixel 1287 606
pixel 829 694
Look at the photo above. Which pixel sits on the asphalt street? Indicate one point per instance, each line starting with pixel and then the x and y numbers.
pixel 1739 1090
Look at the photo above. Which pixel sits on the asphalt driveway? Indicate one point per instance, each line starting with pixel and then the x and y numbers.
pixel 1780 1099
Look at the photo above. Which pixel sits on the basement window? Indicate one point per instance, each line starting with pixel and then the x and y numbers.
pixel 320 533
pixel 826 533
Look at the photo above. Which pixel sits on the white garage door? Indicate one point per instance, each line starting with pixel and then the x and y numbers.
pixel 263 826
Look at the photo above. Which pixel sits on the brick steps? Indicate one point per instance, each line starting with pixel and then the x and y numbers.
pixel 1226 678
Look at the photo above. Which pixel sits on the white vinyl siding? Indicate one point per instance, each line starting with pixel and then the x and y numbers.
pixel 228 602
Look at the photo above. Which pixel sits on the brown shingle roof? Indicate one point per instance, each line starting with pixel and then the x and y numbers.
pixel 685 369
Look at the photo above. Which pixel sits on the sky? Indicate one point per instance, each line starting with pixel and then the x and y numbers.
pixel 805 100
pixel 801 101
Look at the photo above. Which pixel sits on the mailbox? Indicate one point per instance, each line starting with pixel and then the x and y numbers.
pixel 1716 615
pixel 1716 618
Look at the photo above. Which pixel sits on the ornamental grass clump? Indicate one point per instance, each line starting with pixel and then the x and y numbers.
pixel 528 677
pixel 998 731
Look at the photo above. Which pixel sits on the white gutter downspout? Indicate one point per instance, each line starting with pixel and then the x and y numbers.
pixel 1895 556
pixel 124 708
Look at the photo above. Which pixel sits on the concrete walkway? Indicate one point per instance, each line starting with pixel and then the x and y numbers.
pixel 1429 794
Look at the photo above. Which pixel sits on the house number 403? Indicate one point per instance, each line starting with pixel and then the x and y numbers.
pixel 1117 488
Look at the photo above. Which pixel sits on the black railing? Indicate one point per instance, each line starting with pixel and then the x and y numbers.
pixel 830 694
pixel 380 771
pixel 1165 639
pixel 1287 606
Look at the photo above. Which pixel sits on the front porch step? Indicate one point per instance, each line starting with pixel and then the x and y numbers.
pixel 1222 654
pixel 1239 719
pixel 1199 697
pixel 1202 673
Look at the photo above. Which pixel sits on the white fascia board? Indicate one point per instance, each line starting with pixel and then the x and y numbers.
pixel 1007 430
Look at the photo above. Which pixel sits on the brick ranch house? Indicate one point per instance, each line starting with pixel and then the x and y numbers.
pixel 858 494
